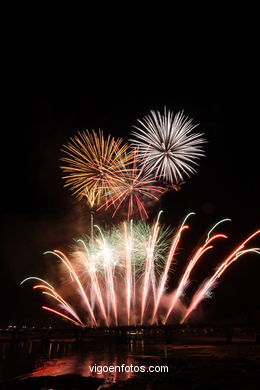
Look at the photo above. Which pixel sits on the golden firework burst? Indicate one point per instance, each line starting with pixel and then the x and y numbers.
pixel 91 164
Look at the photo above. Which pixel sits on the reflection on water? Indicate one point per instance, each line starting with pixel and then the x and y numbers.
pixel 32 359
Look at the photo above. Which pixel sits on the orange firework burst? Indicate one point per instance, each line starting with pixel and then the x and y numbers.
pixel 131 188
pixel 92 163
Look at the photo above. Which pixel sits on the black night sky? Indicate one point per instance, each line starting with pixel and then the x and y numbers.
pixel 39 214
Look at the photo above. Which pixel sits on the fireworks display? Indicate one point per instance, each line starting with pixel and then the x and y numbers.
pixel 108 175
pixel 122 276
pixel 168 145
pixel 92 162
pixel 131 189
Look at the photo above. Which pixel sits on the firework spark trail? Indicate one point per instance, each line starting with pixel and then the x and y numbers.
pixel 132 261
pixel 63 305
pixel 59 298
pixel 168 145
pixel 66 261
pixel 56 296
pixel 128 187
pixel 60 314
pixel 184 280
pixel 90 162
pixel 109 270
pixel 148 274
pixel 53 294
pixel 36 278
pixel 103 250
pixel 214 227
pixel 133 270
pixel 129 281
pixel 170 256
pixel 206 287
pixel 94 281
pixel 91 271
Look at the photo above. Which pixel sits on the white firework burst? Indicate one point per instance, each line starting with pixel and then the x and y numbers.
pixel 167 145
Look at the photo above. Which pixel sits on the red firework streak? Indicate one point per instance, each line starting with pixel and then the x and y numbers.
pixel 208 285
pixel 131 187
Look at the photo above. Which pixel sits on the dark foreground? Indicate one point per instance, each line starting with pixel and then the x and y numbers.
pixel 235 366
pixel 199 373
